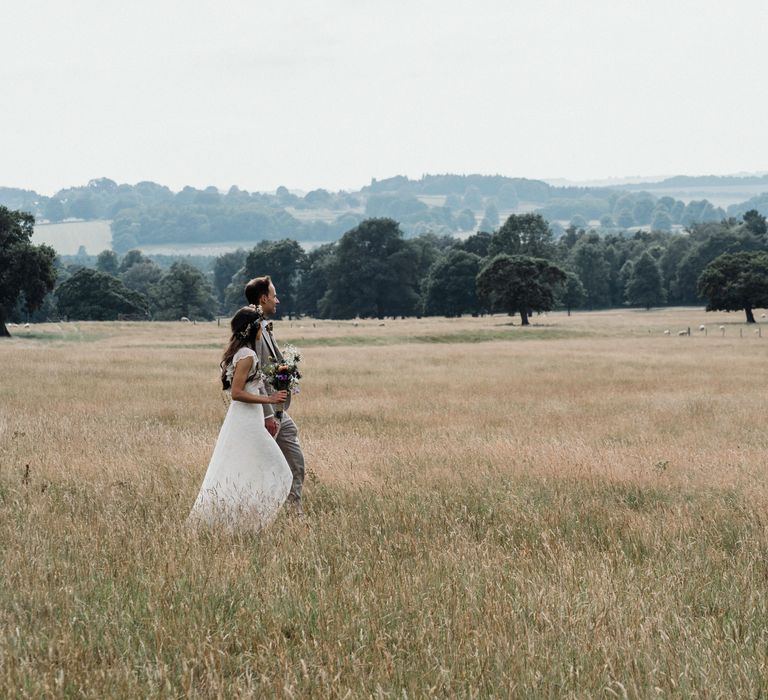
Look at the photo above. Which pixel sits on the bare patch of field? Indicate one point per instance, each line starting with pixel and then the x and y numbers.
pixel 327 215
pixel 432 200
pixel 67 237
pixel 574 509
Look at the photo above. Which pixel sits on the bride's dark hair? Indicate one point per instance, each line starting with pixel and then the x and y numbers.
pixel 246 326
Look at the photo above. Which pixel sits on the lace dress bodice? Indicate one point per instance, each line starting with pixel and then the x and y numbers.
pixel 255 379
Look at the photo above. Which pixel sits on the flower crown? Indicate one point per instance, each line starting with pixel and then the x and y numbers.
pixel 247 330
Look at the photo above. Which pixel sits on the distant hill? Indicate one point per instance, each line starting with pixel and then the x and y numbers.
pixel 704 181
pixel 150 214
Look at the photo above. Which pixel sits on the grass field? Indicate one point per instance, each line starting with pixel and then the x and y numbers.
pixel 575 509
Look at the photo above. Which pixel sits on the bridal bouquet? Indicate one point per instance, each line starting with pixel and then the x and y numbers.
pixel 284 374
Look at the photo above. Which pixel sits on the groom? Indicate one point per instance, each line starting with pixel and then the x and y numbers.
pixel 261 291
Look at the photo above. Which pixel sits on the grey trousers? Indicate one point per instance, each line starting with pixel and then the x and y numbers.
pixel 288 441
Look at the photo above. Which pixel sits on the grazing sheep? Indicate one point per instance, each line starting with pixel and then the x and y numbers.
pixel 682 332
pixel 702 327
pixel 666 332
pixel 26 325
pixel 185 319
pixel 722 328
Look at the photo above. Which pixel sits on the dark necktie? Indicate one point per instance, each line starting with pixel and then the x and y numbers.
pixel 271 341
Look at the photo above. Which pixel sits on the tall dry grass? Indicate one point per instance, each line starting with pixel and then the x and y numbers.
pixel 576 509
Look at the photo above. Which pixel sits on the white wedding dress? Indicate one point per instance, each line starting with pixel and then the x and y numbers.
pixel 248 478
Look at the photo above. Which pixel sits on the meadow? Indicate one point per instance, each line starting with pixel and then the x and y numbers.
pixel 573 509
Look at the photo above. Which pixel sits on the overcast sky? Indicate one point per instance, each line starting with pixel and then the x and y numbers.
pixel 334 92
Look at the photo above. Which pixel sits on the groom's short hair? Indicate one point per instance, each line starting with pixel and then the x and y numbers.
pixel 256 288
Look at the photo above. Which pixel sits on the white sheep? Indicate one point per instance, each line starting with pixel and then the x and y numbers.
pixel 666 332
pixel 682 332
pixel 702 327
pixel 722 328
pixel 185 319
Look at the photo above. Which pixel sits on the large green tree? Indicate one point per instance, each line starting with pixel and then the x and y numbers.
pixel 425 250
pixel 225 268
pixel 644 287
pixel 90 295
pixel 183 291
pixel 519 284
pixel 373 273
pixel 571 293
pixel 736 281
pixel 282 261
pixel 478 243
pixel 755 222
pixel 709 241
pixel 587 259
pixel 315 279
pixel 523 234
pixel 27 271
pixel 450 288
pixel 676 249
pixel 132 257
pixel 142 277
pixel 107 262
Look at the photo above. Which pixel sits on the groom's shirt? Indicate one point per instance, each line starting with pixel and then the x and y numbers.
pixel 270 340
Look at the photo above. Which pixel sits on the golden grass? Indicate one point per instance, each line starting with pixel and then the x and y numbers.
pixel 575 509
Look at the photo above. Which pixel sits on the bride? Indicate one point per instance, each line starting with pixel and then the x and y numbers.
pixel 248 478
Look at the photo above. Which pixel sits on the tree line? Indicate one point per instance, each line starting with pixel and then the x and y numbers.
pixel 35 282
pixel 148 213
pixel 373 270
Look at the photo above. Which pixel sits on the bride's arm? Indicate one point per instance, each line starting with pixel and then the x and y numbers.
pixel 242 370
